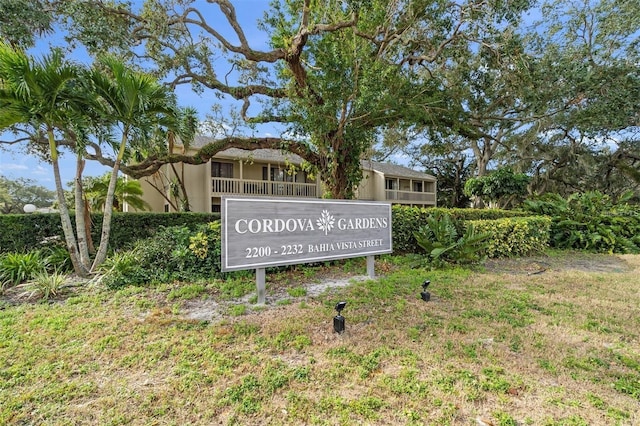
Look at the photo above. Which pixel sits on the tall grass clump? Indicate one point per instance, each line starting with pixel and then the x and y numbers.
pixel 44 285
pixel 16 268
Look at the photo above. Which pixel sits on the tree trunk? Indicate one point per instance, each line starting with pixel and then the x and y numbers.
pixel 67 227
pixel 81 228
pixel 483 154
pixel 101 255
pixel 341 172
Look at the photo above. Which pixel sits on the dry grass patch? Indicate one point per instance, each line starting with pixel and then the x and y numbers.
pixel 558 347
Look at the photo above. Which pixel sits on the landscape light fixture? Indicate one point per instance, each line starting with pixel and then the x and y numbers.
pixel 338 320
pixel 424 294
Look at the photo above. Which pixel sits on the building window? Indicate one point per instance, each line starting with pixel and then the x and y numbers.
pixel 391 184
pixel 223 170
pixel 278 175
pixel 417 186
pixel 166 208
pixel 215 208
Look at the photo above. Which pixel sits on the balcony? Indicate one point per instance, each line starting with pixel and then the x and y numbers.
pixel 229 186
pixel 410 197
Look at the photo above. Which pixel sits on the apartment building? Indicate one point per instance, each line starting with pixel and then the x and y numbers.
pixel 273 173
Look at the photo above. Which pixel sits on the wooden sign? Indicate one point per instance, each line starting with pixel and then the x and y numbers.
pixel 263 232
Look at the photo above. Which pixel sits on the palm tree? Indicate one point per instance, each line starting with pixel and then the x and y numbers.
pixel 127 191
pixel 46 95
pixel 140 108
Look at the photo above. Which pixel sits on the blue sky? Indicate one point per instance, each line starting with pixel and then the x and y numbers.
pixel 15 164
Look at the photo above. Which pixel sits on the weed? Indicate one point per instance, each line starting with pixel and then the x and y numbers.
pixel 300 342
pixel 237 310
pixel 574 420
pixel 234 288
pixel 309 273
pixel 297 292
pixel 494 380
pixel 186 292
pixel 504 419
pixel 407 383
pixel 245 329
pixel 628 384
pixel 246 395
pixel 547 365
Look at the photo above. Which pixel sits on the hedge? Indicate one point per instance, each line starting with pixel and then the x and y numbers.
pixel 405 220
pixel 515 236
pixel 22 232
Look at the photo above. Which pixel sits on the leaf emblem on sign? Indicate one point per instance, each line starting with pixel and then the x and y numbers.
pixel 326 221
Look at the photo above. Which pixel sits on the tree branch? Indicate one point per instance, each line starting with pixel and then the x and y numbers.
pixel 153 163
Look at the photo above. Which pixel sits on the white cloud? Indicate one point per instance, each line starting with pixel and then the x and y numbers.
pixel 13 167
pixel 42 171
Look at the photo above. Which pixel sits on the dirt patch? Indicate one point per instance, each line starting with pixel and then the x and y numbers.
pixel 210 310
pixel 586 262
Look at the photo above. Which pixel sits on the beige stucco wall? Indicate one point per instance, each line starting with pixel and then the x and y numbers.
pixel 378 179
pixel 366 187
pixel 371 186
pixel 197 185
pixel 150 195
pixel 249 171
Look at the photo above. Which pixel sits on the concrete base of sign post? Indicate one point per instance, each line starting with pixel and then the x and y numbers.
pixel 260 284
pixel 370 267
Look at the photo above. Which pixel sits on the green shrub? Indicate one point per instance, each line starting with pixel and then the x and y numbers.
pixel 22 232
pixel 590 221
pixel 517 236
pixel 502 187
pixel 122 269
pixel 443 243
pixel 405 220
pixel 18 267
pixel 174 253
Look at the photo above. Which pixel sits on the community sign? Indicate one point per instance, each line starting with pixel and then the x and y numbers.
pixel 263 232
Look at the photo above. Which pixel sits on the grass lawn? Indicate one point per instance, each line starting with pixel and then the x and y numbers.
pixel 550 341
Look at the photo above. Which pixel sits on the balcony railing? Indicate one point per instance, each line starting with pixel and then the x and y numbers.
pixel 410 197
pixel 228 186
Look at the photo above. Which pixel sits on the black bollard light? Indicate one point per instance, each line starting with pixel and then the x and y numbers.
pixel 425 295
pixel 338 320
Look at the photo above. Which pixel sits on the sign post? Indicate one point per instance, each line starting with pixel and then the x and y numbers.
pixel 262 232
pixel 261 285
